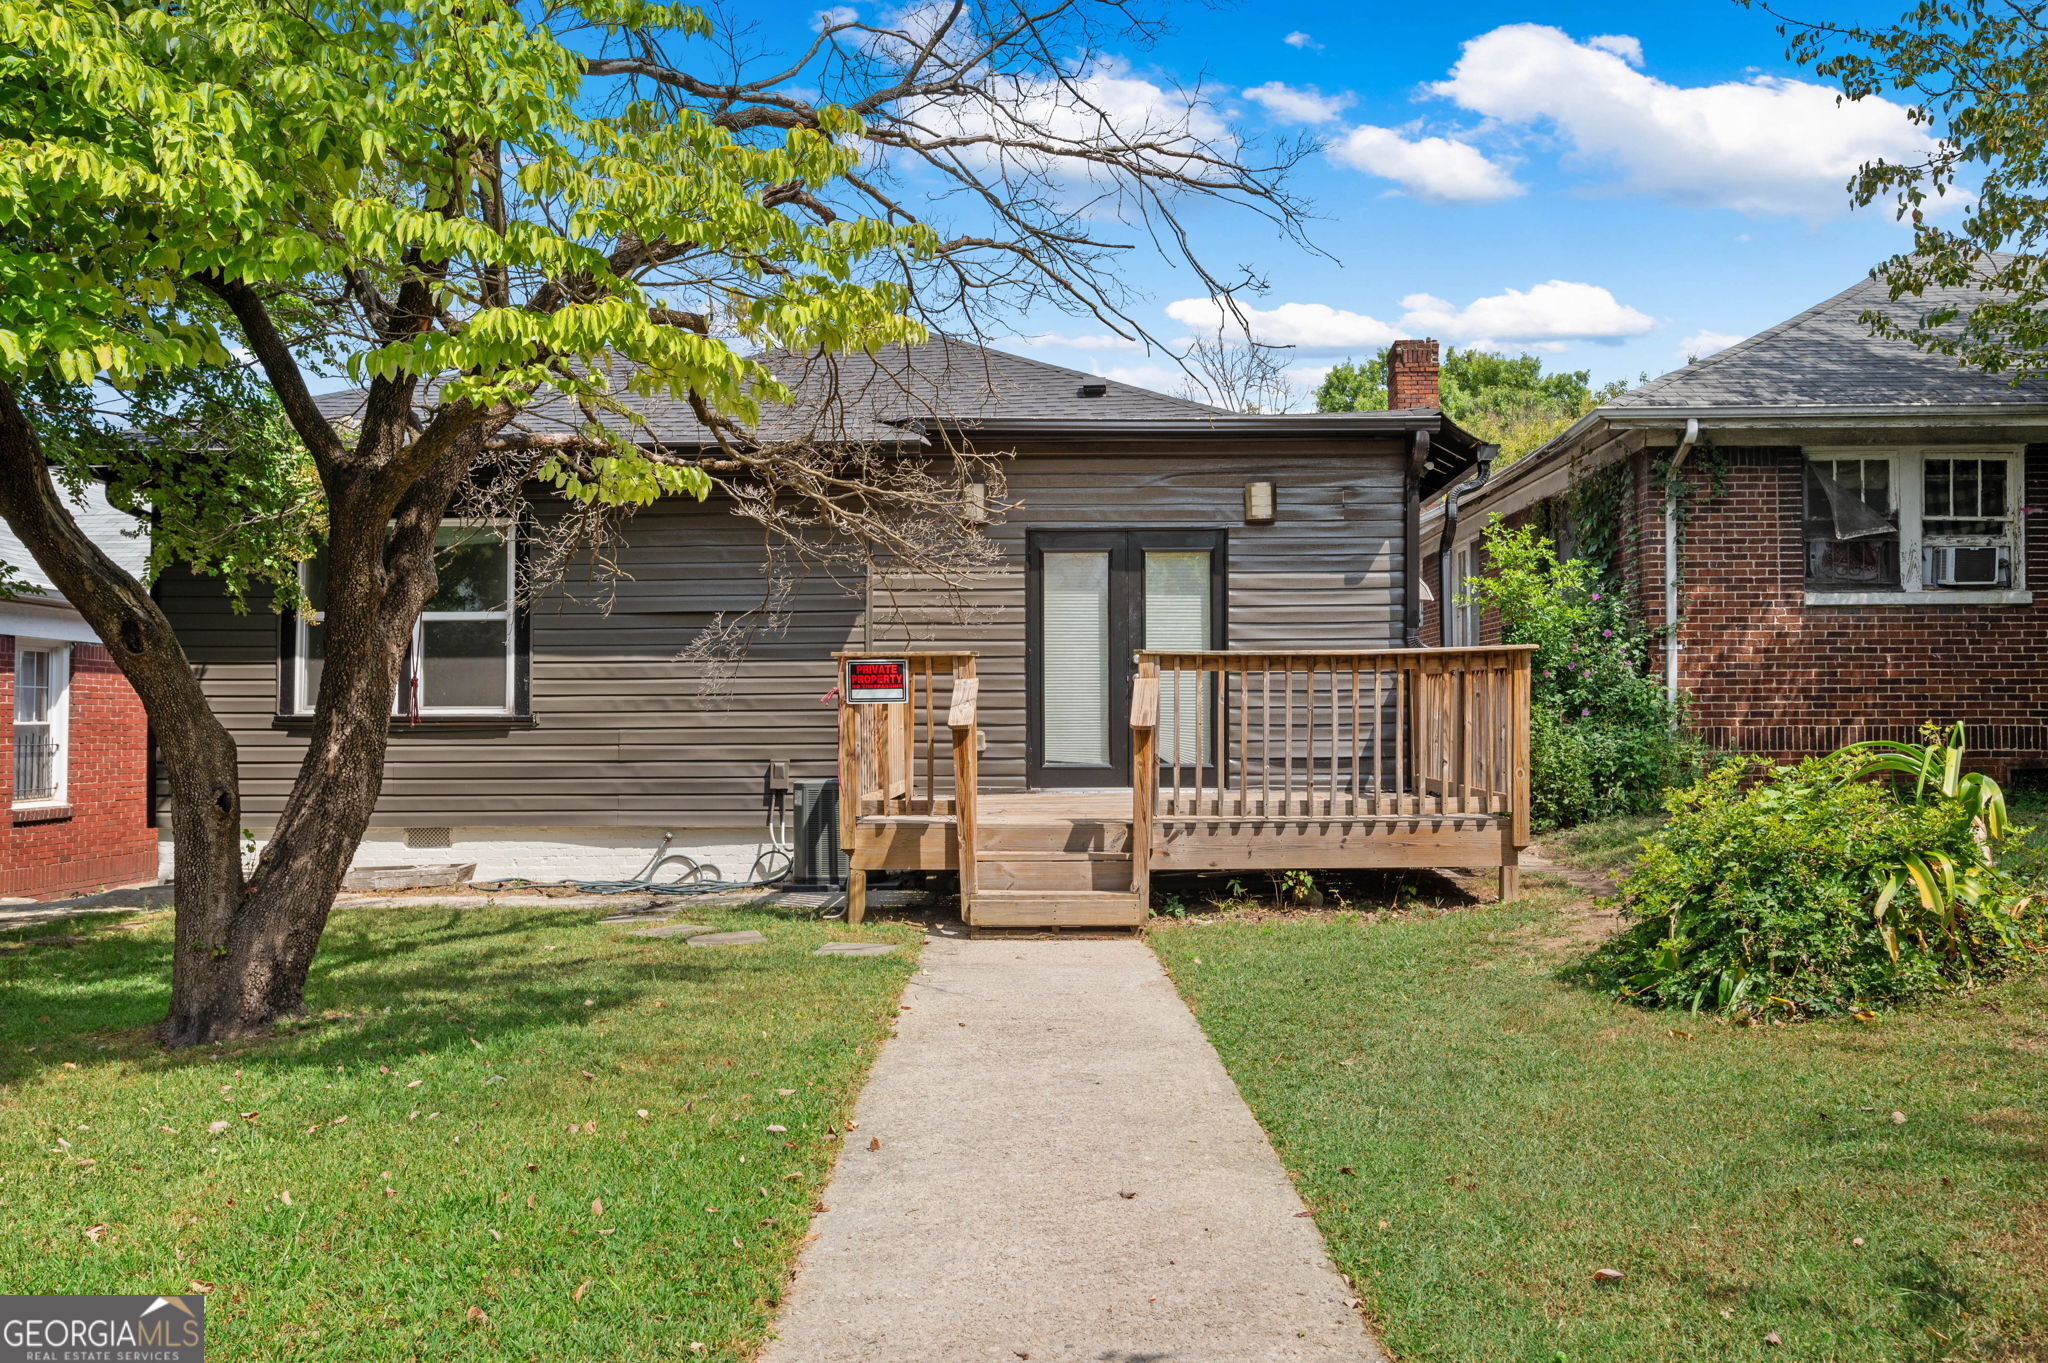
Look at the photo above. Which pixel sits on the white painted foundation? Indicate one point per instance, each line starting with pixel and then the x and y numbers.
pixel 542 854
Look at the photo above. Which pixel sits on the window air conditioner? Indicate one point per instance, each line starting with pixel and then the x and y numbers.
pixel 1967 566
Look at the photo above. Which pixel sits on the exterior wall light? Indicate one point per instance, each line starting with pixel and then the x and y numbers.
pixel 1258 503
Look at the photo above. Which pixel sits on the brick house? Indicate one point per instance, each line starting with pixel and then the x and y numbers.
pixel 74 745
pixel 1848 552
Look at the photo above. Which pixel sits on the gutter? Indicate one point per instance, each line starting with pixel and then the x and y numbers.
pixel 1487 454
pixel 1692 435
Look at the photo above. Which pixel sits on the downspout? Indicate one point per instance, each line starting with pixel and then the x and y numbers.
pixel 1445 545
pixel 1411 534
pixel 1692 435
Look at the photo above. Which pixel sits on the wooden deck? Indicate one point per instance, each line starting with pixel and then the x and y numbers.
pixel 1245 761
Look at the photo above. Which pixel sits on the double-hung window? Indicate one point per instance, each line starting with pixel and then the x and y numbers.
pixel 463 661
pixel 41 690
pixel 1462 610
pixel 1926 524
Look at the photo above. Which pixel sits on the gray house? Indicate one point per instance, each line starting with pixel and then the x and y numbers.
pixel 564 738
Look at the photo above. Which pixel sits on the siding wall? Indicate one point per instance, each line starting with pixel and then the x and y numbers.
pixel 624 736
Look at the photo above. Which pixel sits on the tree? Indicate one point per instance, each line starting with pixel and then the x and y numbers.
pixel 1248 377
pixel 1975 73
pixel 1505 401
pixel 474 210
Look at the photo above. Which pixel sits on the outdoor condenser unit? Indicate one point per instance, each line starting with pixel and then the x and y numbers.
pixel 818 856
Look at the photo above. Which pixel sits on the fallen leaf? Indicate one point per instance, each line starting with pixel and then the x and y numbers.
pixel 496 1236
pixel 250 1116
pixel 416 1083
pixel 201 1288
pixel 94 1233
pixel 529 1201
pixel 474 1042
pixel 215 1128
pixel 586 1074
pixel 1299 1215
pixel 1772 1339
pixel 477 1316
pixel 581 1288
pixel 1680 1035
pixel 1384 1223
pixel 642 1111
pixel 874 1142
pixel 168 1130
pixel 596 1207
pixel 1898 1119
pixel 590 1128
pixel 1346 1169
pixel 1126 1196
pixel 285 1197
pixel 778 1130
pixel 785 1092
pixel 1607 1275
pixel 1858 1242
pixel 696 1348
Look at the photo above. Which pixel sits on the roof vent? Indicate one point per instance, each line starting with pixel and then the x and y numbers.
pixel 1094 390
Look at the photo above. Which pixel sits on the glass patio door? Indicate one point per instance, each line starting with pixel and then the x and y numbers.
pixel 1093 599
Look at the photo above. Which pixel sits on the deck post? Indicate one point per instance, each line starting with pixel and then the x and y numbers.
pixel 1144 776
pixel 961 719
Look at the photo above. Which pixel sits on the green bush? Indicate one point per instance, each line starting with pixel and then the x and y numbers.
pixel 1603 738
pixel 1778 891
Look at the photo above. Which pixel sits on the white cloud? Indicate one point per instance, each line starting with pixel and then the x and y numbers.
pixel 1302 42
pixel 1621 45
pixel 1765 145
pixel 1052 340
pixel 832 18
pixel 1559 310
pixel 1291 104
pixel 1306 326
pixel 1433 167
pixel 1107 102
pixel 1542 318
pixel 1703 343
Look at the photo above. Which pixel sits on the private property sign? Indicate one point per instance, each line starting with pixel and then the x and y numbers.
pixel 876 681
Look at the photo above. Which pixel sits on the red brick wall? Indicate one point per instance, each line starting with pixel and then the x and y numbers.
pixel 101 837
pixel 1768 673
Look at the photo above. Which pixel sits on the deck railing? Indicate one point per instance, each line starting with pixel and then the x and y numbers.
pixel 914 757
pixel 1283 736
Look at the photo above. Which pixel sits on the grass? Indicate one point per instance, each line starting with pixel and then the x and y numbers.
pixel 1609 846
pixel 501 1133
pixel 1477 1138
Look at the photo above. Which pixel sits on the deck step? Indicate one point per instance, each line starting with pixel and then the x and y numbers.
pixel 1053 835
pixel 907 842
pixel 1053 871
pixel 1056 909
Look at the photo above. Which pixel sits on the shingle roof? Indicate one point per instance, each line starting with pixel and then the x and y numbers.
pixel 1825 357
pixel 885 397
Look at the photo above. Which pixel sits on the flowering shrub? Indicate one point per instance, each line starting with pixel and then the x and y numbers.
pixel 1603 738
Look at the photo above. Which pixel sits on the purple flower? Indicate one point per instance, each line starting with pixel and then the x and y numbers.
pixel 1606 633
pixel 1583 713
pixel 1548 673
pixel 1596 596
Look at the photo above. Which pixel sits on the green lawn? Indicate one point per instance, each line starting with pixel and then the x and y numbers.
pixel 1477 1139
pixel 1609 846
pixel 515 1112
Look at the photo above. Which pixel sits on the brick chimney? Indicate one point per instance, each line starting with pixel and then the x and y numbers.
pixel 1412 376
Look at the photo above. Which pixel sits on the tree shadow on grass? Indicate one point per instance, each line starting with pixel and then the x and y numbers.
pixel 376 989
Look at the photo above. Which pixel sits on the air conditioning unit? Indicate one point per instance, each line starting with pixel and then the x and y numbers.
pixel 1984 565
pixel 819 859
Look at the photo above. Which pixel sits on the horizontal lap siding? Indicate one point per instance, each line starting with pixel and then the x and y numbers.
pixel 1326 573
pixel 624 736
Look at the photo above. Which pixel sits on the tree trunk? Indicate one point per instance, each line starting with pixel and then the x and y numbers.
pixel 243 947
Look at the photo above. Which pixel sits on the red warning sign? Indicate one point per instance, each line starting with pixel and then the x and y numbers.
pixel 877 681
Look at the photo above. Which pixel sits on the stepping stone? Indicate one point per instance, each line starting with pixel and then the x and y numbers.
pixel 670 930
pixel 728 939
pixel 854 949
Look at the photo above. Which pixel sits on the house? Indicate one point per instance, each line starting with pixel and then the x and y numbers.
pixel 1853 551
pixel 74 745
pixel 565 738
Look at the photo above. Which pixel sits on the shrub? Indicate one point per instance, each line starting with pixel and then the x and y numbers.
pixel 1603 738
pixel 1788 891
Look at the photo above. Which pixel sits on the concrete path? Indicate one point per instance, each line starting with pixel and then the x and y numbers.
pixel 1064 1173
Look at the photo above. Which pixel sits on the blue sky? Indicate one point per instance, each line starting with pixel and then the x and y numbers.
pixel 1612 185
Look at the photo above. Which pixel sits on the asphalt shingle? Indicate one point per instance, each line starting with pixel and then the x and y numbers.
pixel 1826 357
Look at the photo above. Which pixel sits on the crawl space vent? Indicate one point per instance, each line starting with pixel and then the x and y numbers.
pixel 429 837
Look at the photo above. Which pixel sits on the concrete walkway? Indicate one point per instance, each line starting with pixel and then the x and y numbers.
pixel 1065 1173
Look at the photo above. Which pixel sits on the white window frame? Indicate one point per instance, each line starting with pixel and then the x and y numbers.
pixel 1908 465
pixel 1464 616
pixel 59 721
pixel 302 692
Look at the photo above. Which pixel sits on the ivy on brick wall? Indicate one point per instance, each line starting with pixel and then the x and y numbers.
pixel 1600 514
